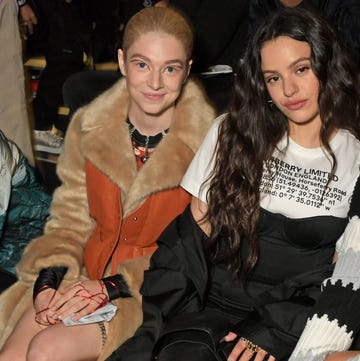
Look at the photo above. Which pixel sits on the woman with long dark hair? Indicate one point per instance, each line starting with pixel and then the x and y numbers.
pixel 274 186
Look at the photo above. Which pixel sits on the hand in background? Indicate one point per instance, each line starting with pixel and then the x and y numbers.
pixel 28 20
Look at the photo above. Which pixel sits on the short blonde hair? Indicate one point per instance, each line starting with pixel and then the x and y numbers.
pixel 159 19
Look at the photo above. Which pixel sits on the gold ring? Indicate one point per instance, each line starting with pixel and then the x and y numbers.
pixel 250 346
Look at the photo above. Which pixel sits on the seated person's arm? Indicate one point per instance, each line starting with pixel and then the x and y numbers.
pixel 336 315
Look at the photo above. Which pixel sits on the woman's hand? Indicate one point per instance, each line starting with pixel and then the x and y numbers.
pixel 42 304
pixel 80 299
pixel 244 350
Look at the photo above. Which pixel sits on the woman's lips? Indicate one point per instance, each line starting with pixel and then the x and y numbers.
pixel 295 105
pixel 151 96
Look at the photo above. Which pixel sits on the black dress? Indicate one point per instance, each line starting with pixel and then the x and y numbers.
pixel 182 290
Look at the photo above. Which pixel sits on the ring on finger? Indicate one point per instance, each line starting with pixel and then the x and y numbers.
pixel 250 345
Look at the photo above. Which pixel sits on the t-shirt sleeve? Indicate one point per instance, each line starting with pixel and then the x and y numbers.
pixel 196 178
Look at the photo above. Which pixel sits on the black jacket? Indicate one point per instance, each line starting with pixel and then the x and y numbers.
pixel 181 281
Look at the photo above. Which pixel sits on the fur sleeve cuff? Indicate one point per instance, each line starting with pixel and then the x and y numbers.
pixel 43 253
pixel 133 272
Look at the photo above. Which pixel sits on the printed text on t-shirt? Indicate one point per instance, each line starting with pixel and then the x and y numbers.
pixel 301 185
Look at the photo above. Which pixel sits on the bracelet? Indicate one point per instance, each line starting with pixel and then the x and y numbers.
pixel 249 345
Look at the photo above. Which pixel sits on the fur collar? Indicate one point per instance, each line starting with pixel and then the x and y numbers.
pixel 106 143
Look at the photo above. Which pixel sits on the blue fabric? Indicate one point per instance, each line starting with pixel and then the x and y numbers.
pixel 24 220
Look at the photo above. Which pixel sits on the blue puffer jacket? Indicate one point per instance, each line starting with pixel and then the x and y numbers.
pixel 24 205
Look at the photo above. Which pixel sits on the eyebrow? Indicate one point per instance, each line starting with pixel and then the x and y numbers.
pixel 172 61
pixel 290 65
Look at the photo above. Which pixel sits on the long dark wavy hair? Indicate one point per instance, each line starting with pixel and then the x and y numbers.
pixel 250 132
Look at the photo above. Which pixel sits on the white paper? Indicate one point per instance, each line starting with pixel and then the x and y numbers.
pixel 105 313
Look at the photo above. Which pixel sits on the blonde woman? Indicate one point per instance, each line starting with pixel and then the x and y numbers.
pixel 123 159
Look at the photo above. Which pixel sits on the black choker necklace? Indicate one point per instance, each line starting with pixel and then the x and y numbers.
pixel 147 141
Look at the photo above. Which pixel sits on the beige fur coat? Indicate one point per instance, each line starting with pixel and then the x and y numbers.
pixel 94 134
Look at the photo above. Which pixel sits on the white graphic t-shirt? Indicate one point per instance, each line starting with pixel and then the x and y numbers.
pixel 301 174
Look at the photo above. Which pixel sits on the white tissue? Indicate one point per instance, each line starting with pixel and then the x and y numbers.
pixel 105 313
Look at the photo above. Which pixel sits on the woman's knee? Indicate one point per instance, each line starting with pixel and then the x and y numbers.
pixel 59 343
pixel 40 348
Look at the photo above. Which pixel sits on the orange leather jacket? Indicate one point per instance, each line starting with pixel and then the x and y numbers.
pixel 122 238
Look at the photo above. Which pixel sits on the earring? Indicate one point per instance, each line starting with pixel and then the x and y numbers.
pixel 270 102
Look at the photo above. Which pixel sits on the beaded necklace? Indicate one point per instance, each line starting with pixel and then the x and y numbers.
pixel 147 141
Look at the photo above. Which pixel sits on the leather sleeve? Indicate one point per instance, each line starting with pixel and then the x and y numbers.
pixel 50 277
pixel 116 287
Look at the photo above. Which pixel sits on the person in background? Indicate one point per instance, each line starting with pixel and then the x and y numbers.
pixel 211 47
pixel 82 87
pixel 220 39
pixel 14 121
pixel 24 208
pixel 28 18
pixel 275 186
pixel 62 35
pixel 220 32
pixel 334 325
pixel 343 14
pixel 123 159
